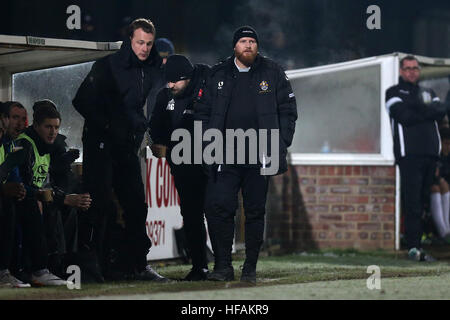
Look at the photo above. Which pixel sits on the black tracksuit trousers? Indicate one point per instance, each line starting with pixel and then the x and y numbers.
pixel 190 182
pixel 221 204
pixel 25 226
pixel 107 167
pixel 7 228
pixel 416 175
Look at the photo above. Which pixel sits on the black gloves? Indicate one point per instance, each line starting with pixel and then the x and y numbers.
pixel 70 156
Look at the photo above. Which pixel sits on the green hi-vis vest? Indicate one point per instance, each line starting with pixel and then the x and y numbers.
pixel 2 154
pixel 2 157
pixel 41 163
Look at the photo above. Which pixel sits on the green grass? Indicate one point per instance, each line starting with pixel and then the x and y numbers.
pixel 304 268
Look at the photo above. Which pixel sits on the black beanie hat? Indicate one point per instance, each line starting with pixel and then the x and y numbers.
pixel 244 31
pixel 178 68
pixel 164 47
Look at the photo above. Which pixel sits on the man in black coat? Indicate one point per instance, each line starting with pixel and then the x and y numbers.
pixel 414 113
pixel 174 110
pixel 245 93
pixel 112 99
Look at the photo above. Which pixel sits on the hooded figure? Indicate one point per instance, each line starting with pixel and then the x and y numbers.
pixel 112 100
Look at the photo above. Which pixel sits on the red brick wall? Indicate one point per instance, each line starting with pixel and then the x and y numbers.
pixel 315 207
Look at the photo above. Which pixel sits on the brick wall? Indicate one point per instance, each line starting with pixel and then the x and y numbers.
pixel 316 207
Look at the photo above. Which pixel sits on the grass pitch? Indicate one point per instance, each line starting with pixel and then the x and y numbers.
pixel 313 275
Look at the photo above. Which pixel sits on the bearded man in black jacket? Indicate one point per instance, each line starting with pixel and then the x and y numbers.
pixel 245 93
pixel 112 99
pixel 174 109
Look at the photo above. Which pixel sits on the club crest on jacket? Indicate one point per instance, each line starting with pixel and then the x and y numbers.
pixel 264 85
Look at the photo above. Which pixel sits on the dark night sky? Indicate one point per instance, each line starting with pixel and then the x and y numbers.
pixel 297 33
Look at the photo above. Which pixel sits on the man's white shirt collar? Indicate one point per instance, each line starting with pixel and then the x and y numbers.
pixel 241 69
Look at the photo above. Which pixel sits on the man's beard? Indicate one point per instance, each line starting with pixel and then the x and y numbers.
pixel 178 92
pixel 246 59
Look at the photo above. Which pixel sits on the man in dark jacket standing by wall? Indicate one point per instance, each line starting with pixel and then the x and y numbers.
pixel 112 100
pixel 174 110
pixel 245 92
pixel 414 113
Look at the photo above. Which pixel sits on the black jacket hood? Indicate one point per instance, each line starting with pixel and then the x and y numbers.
pixel 200 73
pixel 127 58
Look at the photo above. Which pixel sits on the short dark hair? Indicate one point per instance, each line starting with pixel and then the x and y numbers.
pixel 409 58
pixel 45 111
pixel 45 102
pixel 8 105
pixel 145 24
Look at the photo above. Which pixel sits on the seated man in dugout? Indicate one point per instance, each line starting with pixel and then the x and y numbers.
pixel 18 120
pixel 60 219
pixel 37 142
pixel 9 193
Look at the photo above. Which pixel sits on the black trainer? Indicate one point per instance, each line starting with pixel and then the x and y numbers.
pixel 197 275
pixel 223 274
pixel 148 274
pixel 248 275
pixel 420 255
